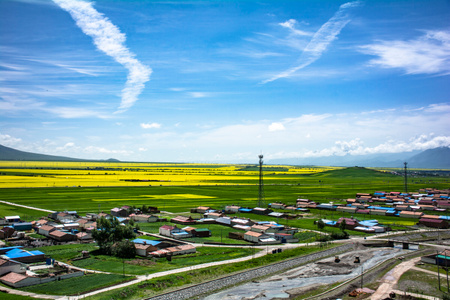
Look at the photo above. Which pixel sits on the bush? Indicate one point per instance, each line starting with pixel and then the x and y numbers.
pixel 124 249
pixel 340 235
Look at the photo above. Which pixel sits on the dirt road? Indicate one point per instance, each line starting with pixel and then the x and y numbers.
pixel 391 278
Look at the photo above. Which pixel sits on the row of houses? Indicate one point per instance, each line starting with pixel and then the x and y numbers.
pixel 368 226
pixel 154 248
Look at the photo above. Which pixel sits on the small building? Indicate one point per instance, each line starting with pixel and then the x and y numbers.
pixel 261 211
pixel 224 221
pixel 119 212
pixel 62 236
pixel 183 220
pixel 232 209
pixel 349 209
pixel 259 228
pixel 277 205
pixel 143 218
pixel 12 219
pixel 202 209
pixel 435 223
pixel 213 215
pixel 166 230
pixel 202 232
pixel 24 256
pixel 241 221
pixel 84 236
pixel 378 212
pixel 410 214
pixel 182 249
pixel 252 236
pixel 46 229
pixel 144 249
pixel 277 215
pixel 7 266
pixel 17 280
pixel 6 232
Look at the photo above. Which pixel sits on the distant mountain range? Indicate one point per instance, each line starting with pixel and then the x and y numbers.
pixel 7 153
pixel 437 158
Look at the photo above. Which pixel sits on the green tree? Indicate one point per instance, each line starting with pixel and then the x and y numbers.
pixel 320 224
pixel 110 232
pixel 343 225
pixel 124 249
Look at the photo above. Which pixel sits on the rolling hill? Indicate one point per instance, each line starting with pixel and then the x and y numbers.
pixel 7 153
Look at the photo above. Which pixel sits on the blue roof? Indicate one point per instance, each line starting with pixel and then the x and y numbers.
pixel 444 217
pixel 144 241
pixel 245 209
pixel 182 232
pixel 380 207
pixel 16 253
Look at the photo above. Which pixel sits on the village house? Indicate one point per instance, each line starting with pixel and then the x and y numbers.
pixel 143 218
pixel 119 212
pixel 213 215
pixel 20 255
pixel 46 229
pixel 17 280
pixel 277 205
pixel 173 232
pixel 12 219
pixel 410 214
pixel 261 211
pixel 252 236
pixel 62 236
pixel 201 209
pixel 435 223
pixel 144 250
pixel 232 209
pixel 84 236
pixel 6 232
pixel 7 266
pixel 182 249
pixel 183 220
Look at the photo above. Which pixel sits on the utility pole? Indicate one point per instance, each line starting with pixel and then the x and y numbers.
pixel 261 185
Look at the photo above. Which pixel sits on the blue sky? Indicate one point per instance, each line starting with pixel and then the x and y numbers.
pixel 223 81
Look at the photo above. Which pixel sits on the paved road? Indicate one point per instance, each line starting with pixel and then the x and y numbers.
pixel 29 207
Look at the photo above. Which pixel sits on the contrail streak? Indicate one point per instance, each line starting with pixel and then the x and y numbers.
pixel 108 39
pixel 320 41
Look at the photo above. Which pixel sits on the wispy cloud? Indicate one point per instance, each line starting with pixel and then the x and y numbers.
pixel 290 24
pixel 108 38
pixel 150 125
pixel 427 54
pixel 320 41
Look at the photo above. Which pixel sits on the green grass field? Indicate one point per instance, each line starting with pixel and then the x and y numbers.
pixel 334 185
pixel 77 285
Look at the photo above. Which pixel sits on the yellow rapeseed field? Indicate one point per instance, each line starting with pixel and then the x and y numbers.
pixel 92 174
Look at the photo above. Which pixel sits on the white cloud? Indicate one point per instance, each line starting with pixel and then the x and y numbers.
pixel 108 39
pixel 320 41
pixel 427 54
pixel 150 125
pixel 199 94
pixel 290 24
pixel 276 126
pixel 7 140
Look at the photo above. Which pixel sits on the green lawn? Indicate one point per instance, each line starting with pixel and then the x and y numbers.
pixel 139 265
pixel 77 285
pixel 154 286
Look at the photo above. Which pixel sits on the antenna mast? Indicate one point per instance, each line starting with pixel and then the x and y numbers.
pixel 406 177
pixel 261 184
